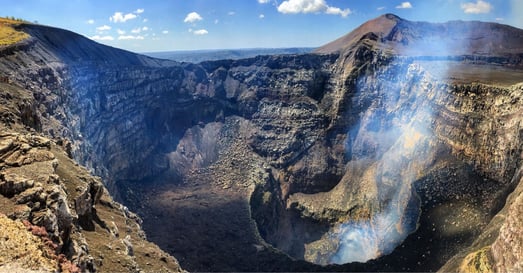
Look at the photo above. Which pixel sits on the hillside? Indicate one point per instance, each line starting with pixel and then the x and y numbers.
pixel 455 38
pixel 54 214
pixel 8 33
pixel 382 151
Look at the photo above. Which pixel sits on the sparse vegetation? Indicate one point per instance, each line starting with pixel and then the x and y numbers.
pixel 21 246
pixel 12 18
pixel 8 34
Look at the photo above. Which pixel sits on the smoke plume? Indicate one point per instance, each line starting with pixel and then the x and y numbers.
pixel 398 123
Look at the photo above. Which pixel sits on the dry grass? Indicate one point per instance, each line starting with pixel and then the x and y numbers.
pixel 8 34
pixel 20 246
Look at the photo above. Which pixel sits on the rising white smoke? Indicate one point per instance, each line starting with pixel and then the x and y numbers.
pixel 405 149
pixel 395 131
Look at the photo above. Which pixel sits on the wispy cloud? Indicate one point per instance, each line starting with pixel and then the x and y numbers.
pixel 120 32
pixel 381 8
pixel 102 38
pixel 192 17
pixel 404 5
pixel 139 11
pixel 311 6
pixel 139 29
pixel 263 1
pixel 261 16
pixel 90 21
pixel 338 11
pixel 231 13
pixel 103 28
pixel 130 37
pixel 119 17
pixel 165 32
pixel 200 32
pixel 475 8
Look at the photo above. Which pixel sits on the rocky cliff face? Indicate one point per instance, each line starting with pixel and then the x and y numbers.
pixel 399 144
pixel 55 215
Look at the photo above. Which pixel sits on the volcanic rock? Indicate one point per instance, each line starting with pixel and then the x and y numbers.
pixel 63 207
pixel 403 135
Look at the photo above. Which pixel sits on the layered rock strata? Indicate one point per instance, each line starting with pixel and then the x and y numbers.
pixel 404 135
pixel 55 215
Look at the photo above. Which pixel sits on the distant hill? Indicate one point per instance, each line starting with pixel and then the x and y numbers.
pixel 394 34
pixel 197 56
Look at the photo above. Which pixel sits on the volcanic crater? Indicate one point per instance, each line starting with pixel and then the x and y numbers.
pixel 394 148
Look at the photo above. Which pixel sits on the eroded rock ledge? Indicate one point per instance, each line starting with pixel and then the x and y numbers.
pixel 57 216
pixel 273 153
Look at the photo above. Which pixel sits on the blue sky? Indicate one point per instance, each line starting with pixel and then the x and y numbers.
pixel 164 25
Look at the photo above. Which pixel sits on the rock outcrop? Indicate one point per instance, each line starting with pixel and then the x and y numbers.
pixel 76 218
pixel 396 147
pixel 55 215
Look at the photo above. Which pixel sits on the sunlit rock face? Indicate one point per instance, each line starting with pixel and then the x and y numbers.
pixel 393 146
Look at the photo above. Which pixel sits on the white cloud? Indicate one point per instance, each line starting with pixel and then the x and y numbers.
pixel 302 6
pixel 90 21
pixel 130 37
pixel 102 38
pixel 499 19
pixel 338 11
pixel 103 28
pixel 404 5
pixel 479 7
pixel 164 32
pixel 138 30
pixel 231 13
pixel 119 17
pixel 216 21
pixel 145 20
pixel 261 16
pixel 120 32
pixel 200 32
pixel 263 1
pixel 381 8
pixel 310 6
pixel 192 17
pixel 139 11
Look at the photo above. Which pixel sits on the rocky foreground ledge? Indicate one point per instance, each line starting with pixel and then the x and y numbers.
pixel 55 215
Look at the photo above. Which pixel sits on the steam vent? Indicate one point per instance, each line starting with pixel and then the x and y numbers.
pixel 397 147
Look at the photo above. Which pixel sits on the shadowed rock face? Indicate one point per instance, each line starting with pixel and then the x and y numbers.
pixel 61 217
pixel 398 144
